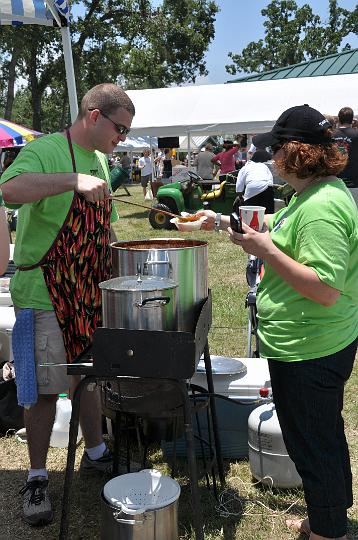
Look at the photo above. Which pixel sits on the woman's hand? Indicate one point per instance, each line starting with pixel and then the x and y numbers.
pixel 253 242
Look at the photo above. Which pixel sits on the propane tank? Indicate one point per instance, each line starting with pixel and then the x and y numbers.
pixel 269 461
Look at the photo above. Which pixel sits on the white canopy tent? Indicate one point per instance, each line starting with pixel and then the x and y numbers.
pixel 250 107
pixel 132 144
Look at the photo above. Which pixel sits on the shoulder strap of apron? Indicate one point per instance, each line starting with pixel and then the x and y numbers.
pixel 69 140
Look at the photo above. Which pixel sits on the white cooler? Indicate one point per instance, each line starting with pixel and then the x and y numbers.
pixel 239 379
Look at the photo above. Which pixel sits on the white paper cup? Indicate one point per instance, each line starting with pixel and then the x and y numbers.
pixel 253 216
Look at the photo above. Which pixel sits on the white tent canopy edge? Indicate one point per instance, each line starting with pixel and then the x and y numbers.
pixel 251 107
pixel 136 144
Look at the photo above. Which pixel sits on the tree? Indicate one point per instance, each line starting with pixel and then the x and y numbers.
pixel 10 50
pixel 294 34
pixel 131 42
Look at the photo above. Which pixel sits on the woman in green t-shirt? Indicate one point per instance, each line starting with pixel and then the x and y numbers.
pixel 308 310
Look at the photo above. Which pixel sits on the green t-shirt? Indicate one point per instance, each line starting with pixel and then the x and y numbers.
pixel 319 228
pixel 39 222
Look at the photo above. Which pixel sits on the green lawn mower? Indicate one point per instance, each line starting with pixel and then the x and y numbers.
pixel 188 196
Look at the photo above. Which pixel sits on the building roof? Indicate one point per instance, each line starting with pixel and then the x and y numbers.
pixel 342 63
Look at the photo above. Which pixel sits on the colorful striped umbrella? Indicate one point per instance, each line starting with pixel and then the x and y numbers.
pixel 14 135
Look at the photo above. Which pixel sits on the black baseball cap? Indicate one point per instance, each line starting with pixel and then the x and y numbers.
pixel 300 123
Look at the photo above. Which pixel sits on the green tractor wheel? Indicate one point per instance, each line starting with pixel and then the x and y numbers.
pixel 158 220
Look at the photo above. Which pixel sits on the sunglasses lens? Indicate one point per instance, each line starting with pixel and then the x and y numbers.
pixel 275 148
pixel 122 130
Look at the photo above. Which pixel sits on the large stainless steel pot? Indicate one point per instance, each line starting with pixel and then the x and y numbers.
pixel 184 261
pixel 160 524
pixel 140 506
pixel 140 303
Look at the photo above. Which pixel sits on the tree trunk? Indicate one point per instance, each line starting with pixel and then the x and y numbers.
pixel 10 94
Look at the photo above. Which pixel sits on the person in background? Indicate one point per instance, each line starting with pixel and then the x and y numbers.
pixel 9 158
pixel 203 162
pixel 145 165
pixel 60 183
pixel 254 182
pixel 167 166
pixel 158 158
pixel 307 306
pixel 346 138
pixel 252 149
pixel 226 159
pixel 332 120
pixel 125 163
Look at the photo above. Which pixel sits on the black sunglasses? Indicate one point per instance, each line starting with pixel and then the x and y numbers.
pixel 275 147
pixel 121 130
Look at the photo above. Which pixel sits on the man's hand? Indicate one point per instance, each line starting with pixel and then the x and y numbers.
pixel 92 188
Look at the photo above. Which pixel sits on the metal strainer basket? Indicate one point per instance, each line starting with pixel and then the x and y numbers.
pixel 136 493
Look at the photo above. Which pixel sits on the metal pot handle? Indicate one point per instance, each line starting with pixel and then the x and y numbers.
pixel 116 516
pixel 160 300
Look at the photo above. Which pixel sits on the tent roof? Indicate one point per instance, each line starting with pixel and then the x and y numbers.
pixel 249 107
pixel 333 64
pixel 195 142
pixel 32 12
pixel 136 143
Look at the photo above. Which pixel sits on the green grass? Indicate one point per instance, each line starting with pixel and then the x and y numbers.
pixel 256 513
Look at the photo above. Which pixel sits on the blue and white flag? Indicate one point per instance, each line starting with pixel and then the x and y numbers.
pixel 19 12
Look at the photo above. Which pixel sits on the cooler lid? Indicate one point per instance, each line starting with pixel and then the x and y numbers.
pixel 133 283
pixel 244 385
pixel 223 365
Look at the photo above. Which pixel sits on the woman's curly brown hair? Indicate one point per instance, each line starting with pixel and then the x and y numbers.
pixel 308 160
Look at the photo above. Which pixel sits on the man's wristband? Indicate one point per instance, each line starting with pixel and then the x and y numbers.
pixel 217 222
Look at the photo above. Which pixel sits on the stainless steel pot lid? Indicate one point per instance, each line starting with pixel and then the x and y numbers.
pixel 223 365
pixel 133 283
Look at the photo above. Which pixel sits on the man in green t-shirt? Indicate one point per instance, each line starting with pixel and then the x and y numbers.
pixel 60 183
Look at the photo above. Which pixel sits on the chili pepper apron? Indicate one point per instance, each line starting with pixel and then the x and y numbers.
pixel 77 261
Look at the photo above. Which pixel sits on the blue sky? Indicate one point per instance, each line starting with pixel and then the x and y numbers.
pixel 240 22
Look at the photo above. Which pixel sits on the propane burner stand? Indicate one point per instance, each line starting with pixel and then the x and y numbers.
pixel 146 354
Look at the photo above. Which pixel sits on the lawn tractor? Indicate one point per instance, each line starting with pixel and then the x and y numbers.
pixel 187 196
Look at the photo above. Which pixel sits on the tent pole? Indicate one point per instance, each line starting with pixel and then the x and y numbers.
pixel 189 151
pixel 70 74
pixel 62 22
